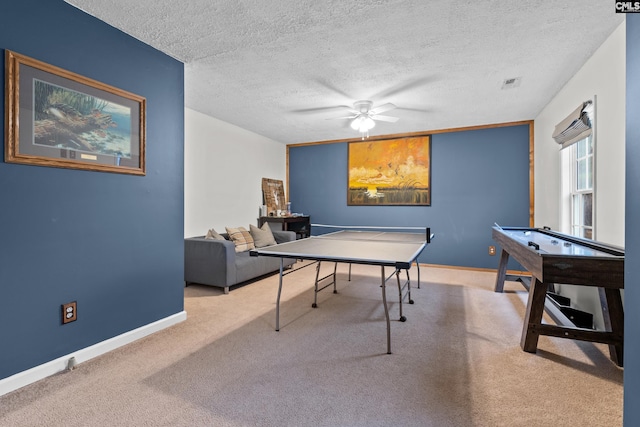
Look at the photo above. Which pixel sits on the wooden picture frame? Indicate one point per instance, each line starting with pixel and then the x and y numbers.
pixel 60 119
pixel 273 196
pixel 390 172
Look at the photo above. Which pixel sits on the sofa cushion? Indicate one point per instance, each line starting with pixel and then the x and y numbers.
pixel 213 234
pixel 241 238
pixel 262 236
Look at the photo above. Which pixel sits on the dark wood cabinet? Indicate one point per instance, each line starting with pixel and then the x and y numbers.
pixel 301 225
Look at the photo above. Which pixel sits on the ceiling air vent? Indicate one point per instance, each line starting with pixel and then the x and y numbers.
pixel 511 83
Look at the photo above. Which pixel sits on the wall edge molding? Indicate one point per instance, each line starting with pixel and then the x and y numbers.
pixel 59 364
pixel 416 134
pixel 478 269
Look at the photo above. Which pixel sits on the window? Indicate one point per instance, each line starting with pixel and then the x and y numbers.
pixel 582 188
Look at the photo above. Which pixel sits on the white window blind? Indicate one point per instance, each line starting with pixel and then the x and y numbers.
pixel 577 126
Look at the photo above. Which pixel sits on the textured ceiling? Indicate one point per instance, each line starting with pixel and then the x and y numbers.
pixel 283 68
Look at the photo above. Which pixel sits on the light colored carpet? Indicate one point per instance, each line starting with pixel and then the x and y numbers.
pixel 456 362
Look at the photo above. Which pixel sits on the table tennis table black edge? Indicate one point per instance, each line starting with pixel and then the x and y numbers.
pixel 400 265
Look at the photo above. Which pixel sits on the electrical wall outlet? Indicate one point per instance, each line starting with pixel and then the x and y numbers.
pixel 492 250
pixel 69 312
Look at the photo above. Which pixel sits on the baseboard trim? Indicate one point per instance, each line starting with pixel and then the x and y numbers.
pixel 487 270
pixel 47 369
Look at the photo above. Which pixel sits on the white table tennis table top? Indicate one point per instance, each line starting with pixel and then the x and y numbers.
pixel 397 249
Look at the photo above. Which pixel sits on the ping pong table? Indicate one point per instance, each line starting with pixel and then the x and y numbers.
pixel 398 250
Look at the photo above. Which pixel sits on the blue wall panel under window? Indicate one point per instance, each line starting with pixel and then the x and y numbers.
pixel 478 177
pixel 111 242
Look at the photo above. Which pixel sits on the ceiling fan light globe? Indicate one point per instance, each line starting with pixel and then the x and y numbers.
pixel 367 123
pixel 362 124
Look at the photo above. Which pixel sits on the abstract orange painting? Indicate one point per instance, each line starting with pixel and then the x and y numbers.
pixel 390 172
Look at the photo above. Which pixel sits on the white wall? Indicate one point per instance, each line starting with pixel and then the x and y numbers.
pixel 603 75
pixel 223 170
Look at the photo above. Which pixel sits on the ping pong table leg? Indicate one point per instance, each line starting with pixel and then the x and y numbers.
pixel 279 292
pixel 386 309
pixel 409 287
pixel 417 265
pixel 315 289
pixel 402 318
pixel 335 269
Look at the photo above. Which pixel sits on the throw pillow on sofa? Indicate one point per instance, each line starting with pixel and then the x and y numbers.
pixel 262 236
pixel 241 238
pixel 213 234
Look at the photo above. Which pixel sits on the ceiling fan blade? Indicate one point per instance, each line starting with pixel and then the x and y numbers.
pixel 339 118
pixel 384 118
pixel 338 109
pixel 405 87
pixel 326 84
pixel 382 108
pixel 416 110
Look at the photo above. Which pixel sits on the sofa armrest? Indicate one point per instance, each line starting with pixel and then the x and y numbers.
pixel 283 236
pixel 209 262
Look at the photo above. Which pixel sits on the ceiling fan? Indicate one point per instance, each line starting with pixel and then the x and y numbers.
pixel 364 117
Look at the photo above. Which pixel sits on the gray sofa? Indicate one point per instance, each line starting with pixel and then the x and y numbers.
pixel 216 263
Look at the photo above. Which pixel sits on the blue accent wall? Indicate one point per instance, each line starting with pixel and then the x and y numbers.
pixel 111 242
pixel 478 177
pixel 632 228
